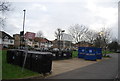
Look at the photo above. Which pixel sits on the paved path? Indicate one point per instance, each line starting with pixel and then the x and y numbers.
pixel 67 65
pixel 106 69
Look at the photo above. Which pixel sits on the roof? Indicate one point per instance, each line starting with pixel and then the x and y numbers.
pixel 16 34
pixel 29 35
pixel 40 39
pixel 3 35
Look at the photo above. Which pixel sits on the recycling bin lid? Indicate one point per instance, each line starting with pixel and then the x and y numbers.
pixel 36 52
pixel 21 50
pixel 12 49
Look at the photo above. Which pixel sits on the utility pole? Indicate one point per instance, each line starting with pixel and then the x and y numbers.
pixel 24 20
pixel 60 33
pixel 24 27
pixel 24 42
pixel 59 40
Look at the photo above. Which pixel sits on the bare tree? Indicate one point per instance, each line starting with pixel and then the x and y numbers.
pixel 103 38
pixel 78 32
pixel 90 36
pixel 4 7
pixel 105 34
pixel 39 34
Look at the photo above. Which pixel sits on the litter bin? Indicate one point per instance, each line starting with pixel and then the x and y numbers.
pixel 28 59
pixel 11 56
pixel 21 52
pixel 81 52
pixel 41 61
pixel 99 53
pixel 66 54
pixel 47 62
pixel 90 53
pixel 17 58
pixel 59 55
pixel 54 55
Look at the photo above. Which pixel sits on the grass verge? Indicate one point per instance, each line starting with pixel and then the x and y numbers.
pixel 106 52
pixel 10 71
pixel 75 54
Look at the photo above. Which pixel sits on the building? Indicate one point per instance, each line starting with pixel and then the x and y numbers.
pixel 40 42
pixel 16 40
pixel 36 42
pixel 32 41
pixel 83 44
pixel 55 43
pixel 6 41
pixel 65 42
pixel 119 22
pixel 29 39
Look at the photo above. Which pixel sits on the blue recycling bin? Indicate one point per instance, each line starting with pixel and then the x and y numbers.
pixel 90 53
pixel 81 52
pixel 99 53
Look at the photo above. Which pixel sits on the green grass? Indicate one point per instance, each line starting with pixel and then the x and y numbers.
pixel 10 71
pixel 106 56
pixel 75 54
pixel 107 52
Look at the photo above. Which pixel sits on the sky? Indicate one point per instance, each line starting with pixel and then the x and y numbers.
pixel 48 15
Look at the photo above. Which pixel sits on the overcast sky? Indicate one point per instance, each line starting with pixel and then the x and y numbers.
pixel 48 15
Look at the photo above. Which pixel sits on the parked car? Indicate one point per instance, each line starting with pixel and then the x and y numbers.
pixel 55 49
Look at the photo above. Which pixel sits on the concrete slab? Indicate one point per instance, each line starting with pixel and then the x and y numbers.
pixel 61 66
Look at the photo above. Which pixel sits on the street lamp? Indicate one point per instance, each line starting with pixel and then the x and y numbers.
pixel 24 42
pixel 22 32
pixel 60 33
pixel 23 27
pixel 24 19
pixel 62 36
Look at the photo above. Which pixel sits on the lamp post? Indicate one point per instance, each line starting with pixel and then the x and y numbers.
pixel 59 38
pixel 24 27
pixel 24 42
pixel 62 36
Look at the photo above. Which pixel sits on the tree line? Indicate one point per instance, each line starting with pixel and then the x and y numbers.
pixel 101 38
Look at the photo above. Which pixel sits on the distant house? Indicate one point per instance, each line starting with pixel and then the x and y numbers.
pixel 65 42
pixel 42 42
pixel 55 43
pixel 16 40
pixel 83 44
pixel 32 41
pixel 6 41
pixel 29 38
